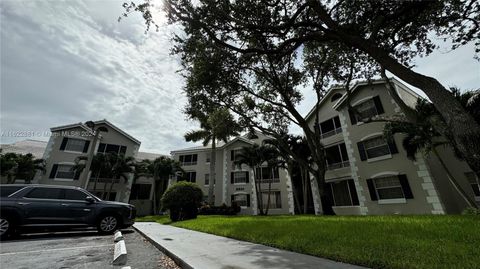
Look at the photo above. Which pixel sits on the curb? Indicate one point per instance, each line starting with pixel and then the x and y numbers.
pixel 172 256
pixel 120 250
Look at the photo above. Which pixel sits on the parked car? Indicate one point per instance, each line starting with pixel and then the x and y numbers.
pixel 25 206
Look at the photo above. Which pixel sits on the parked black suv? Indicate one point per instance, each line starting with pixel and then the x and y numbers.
pixel 45 206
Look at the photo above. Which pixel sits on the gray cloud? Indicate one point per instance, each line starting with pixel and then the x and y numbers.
pixel 66 62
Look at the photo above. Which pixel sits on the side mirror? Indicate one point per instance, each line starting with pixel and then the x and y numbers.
pixel 90 199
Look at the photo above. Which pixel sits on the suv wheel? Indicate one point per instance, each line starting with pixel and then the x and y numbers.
pixel 108 224
pixel 6 227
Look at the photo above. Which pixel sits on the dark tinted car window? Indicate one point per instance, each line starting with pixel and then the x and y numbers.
pixel 45 193
pixel 75 195
pixel 7 190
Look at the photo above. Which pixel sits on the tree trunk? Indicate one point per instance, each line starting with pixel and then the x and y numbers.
pixel 454 182
pixel 294 190
pixel 213 159
pixel 305 190
pixel 269 192
pixel 111 187
pixel 258 193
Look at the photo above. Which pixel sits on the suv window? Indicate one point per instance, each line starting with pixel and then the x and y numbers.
pixel 45 193
pixel 7 190
pixel 75 195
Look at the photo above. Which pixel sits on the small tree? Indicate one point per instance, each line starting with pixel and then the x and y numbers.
pixel 182 200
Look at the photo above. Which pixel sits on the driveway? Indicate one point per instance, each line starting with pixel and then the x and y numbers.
pixel 78 249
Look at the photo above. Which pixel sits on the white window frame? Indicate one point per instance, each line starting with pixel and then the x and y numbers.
pixel 239 194
pixel 343 163
pixel 188 163
pixel 336 129
pixel 75 138
pixel 349 193
pixel 273 198
pixel 235 173
pixel 377 158
pixel 476 182
pixel 265 180
pixel 205 180
pixel 398 200
pixel 64 179
pixel 208 157
pixel 360 102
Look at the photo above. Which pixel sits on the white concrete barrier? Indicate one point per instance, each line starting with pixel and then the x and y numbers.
pixel 120 253
pixel 117 237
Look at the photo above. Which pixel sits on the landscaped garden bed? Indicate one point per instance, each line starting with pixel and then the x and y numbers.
pixel 373 241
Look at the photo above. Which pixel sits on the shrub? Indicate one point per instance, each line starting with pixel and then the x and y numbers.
pixel 471 211
pixel 182 200
pixel 219 210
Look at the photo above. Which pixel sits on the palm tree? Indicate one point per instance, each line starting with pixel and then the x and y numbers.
pixel 421 136
pixel 291 148
pixel 254 157
pixel 219 125
pixel 160 170
pixel 121 167
pixel 20 166
pixel 99 167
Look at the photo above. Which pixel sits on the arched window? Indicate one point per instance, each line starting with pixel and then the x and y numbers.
pixel 336 96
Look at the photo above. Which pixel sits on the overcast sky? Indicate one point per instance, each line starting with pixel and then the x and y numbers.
pixel 71 61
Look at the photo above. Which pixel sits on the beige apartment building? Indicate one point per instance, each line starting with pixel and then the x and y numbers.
pixel 71 141
pixel 367 175
pixel 234 182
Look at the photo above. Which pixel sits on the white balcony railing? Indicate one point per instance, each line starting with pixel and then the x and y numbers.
pixel 339 165
pixel 332 132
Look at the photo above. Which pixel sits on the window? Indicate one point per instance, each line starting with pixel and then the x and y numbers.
pixel 241 200
pixel 389 187
pixel 208 157
pixel 367 109
pixel 190 159
pixel 472 179
pixel 188 176
pixel 337 157
pixel 207 179
pixel 234 153
pixel 5 191
pixel 65 171
pixel 240 177
pixel 45 193
pixel 265 175
pixel 140 192
pixel 336 96
pixel 275 199
pixel 75 195
pixel 330 127
pixel 343 193
pixel 376 147
pixel 75 145
pixel 111 148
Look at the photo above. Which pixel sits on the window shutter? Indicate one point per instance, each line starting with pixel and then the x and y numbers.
pixel 194 158
pixel 232 155
pixel 248 176
pixel 231 199
pixel 248 200
pixel 405 186
pixel 231 177
pixel 193 177
pixel 64 143
pixel 361 151
pixel 85 147
pixel 371 189
pixel 353 119
pixel 378 105
pixel 391 145
pixel 54 171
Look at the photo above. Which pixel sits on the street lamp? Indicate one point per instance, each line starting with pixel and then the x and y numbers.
pixel 96 133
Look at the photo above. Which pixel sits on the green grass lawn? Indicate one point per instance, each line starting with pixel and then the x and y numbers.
pixel 373 241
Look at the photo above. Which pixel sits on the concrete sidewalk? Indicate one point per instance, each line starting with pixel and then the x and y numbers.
pixel 191 249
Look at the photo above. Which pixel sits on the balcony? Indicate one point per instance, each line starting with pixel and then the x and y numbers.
pixel 338 165
pixel 332 132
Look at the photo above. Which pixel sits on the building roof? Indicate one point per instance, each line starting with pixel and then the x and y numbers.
pixel 37 148
pixel 85 127
pixel 220 145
